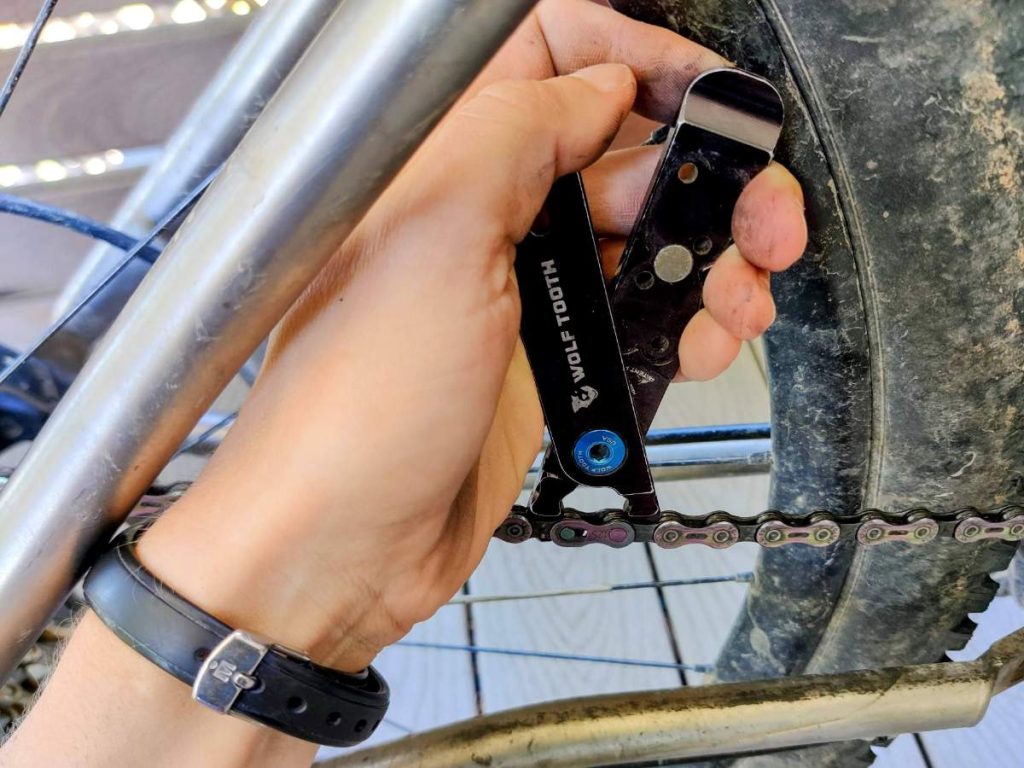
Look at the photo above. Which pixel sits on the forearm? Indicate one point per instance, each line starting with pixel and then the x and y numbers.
pixel 106 705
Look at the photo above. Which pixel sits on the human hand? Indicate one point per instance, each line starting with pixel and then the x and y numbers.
pixel 396 415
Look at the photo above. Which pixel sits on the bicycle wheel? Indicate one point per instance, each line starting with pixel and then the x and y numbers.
pixel 896 358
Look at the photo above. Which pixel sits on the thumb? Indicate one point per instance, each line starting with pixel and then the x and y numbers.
pixel 497 156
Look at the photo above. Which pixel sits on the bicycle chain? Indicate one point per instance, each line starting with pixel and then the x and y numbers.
pixel 720 530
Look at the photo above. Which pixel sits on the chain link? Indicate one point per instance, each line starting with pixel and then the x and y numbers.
pixel 771 529
pixel 720 530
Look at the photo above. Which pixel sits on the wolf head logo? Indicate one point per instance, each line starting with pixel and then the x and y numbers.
pixel 583 397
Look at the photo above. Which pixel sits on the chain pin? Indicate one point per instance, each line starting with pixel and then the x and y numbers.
pixel 515 529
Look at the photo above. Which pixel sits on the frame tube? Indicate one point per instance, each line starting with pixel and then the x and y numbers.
pixel 368 91
pixel 249 77
pixel 690 723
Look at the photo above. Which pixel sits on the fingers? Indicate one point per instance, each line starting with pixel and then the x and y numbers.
pixel 768 223
pixel 738 296
pixel 493 162
pixel 580 33
pixel 706 349
pixel 616 186
pixel 562 36
pixel 770 233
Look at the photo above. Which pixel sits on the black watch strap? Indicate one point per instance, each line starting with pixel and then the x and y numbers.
pixel 231 671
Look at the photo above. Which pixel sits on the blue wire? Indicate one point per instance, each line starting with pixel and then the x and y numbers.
pixel 182 207
pixel 26 53
pixel 50 214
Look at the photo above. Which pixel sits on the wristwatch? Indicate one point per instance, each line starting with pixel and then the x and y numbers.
pixel 230 670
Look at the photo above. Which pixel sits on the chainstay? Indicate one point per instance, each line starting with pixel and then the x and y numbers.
pixel 719 530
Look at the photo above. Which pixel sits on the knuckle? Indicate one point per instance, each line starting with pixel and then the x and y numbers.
pixel 756 315
pixel 742 306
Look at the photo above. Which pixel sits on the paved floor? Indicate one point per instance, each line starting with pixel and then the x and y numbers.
pixel 433 687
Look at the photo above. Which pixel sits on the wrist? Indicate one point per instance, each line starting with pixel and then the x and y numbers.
pixel 146 709
pixel 269 580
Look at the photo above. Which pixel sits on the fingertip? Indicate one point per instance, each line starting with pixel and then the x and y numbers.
pixel 614 81
pixel 768 223
pixel 706 349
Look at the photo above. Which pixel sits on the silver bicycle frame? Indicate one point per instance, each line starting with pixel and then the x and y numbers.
pixel 369 89
pixel 249 77
pixel 730 719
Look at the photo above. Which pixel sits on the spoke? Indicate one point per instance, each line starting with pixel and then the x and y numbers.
pixel 398 726
pixel 599 589
pixel 25 53
pixel 204 436
pixel 21 294
pixel 142 244
pixel 703 668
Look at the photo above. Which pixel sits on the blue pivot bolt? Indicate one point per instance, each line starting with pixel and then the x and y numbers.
pixel 599 452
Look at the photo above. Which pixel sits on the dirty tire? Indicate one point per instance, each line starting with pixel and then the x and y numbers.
pixel 897 360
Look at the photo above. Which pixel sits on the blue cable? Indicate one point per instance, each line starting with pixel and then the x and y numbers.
pixel 50 214
pixel 179 210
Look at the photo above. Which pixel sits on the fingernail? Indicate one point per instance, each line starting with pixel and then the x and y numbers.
pixel 607 78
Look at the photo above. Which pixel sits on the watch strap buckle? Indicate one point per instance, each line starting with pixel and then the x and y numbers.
pixel 228 671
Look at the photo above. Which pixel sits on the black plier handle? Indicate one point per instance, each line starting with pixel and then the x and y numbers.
pixel 602 360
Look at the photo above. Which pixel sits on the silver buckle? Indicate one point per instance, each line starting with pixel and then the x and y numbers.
pixel 229 668
pixel 227 671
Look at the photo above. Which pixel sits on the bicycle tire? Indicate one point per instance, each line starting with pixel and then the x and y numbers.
pixel 904 124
